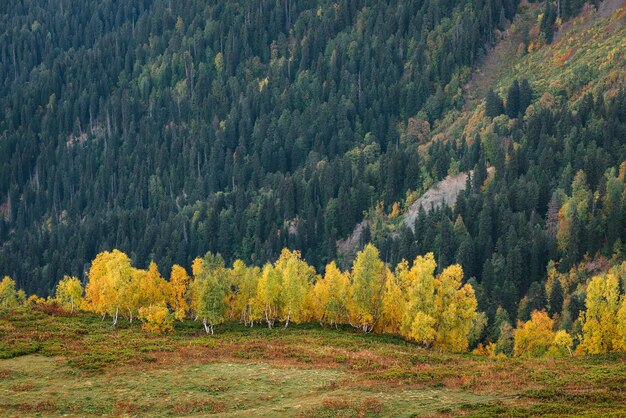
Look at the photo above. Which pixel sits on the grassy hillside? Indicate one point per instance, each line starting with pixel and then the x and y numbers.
pixel 77 365
pixel 588 55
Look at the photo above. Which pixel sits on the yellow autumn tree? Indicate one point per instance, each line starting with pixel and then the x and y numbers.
pixel 69 293
pixel 562 343
pixel 268 302
pixel 8 294
pixel 237 274
pixel 132 297
pixel 331 296
pixel 419 281
pixel 440 310
pixel 454 310
pixel 309 307
pixel 621 326
pixel 534 337
pixel 321 296
pixel 209 290
pixel 156 318
pixel 369 275
pixel 600 319
pixel 109 278
pixel 179 292
pixel 297 277
pixel 156 290
pixel 147 288
pixel 392 308
pixel 244 281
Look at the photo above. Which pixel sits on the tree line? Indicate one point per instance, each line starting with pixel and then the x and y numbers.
pixel 413 301
pixel 435 310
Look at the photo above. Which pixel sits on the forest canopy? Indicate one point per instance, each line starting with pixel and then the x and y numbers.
pixel 169 129
pixel 258 130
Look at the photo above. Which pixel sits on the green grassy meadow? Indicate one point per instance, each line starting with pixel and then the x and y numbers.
pixel 77 365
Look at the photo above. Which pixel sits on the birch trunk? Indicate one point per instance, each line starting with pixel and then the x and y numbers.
pixel 117 309
pixel 267 319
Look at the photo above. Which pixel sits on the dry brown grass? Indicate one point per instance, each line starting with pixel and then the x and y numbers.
pixel 125 408
pixel 46 406
pixel 341 407
pixel 335 404
pixel 22 387
pixel 205 406
pixel 301 370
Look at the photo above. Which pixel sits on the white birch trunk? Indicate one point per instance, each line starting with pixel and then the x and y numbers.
pixel 267 319
pixel 117 309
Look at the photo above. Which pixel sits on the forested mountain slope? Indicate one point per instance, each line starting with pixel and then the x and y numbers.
pixel 168 129
pixel 553 128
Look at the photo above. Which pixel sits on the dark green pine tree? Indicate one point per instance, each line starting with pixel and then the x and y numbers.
pixel 525 96
pixel 547 22
pixel 513 100
pixel 573 245
pixel 555 302
pixel 493 104
pixel 479 175
pixel 445 243
pixel 536 297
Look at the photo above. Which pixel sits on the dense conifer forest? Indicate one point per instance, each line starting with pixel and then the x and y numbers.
pixel 171 129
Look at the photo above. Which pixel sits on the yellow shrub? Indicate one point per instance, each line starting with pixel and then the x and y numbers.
pixel 156 319
pixel 36 300
pixel 488 350
pixel 534 338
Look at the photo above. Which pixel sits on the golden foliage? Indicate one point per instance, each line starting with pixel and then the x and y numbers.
pixel 440 311
pixel 156 318
pixel 331 296
pixel 369 275
pixel 179 292
pixel 534 337
pixel 436 311
pixel 109 277
pixel 8 294
pixel 601 326
pixel 69 293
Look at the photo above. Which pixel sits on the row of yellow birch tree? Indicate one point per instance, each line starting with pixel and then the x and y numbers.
pixel 435 310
